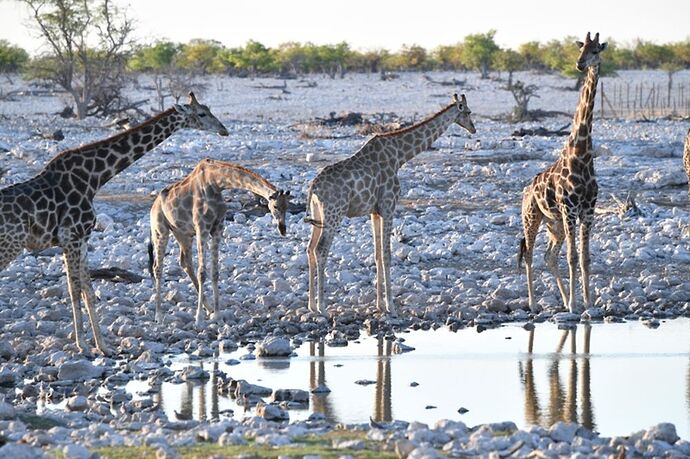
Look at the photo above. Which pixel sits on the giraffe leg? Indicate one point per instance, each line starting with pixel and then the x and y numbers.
pixel 553 249
pixel 72 258
pixel 385 246
pixel 90 302
pixel 311 257
pixel 201 241
pixel 187 264
pixel 569 227
pixel 322 248
pixel 585 228
pixel 215 242
pixel 159 241
pixel 531 219
pixel 377 229
pixel 10 248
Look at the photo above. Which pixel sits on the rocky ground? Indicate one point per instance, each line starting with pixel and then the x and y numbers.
pixel 454 264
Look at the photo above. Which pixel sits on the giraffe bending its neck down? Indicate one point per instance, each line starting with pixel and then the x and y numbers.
pixel 195 206
pixel 367 183
pixel 566 191
pixel 686 158
pixel 55 208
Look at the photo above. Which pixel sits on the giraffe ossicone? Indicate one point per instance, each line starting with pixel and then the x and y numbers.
pixel 367 183
pixel 565 194
pixel 194 208
pixel 55 207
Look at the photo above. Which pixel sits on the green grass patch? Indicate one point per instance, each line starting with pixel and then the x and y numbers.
pixel 308 445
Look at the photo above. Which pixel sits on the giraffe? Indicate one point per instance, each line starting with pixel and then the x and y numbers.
pixel 686 158
pixel 367 183
pixel 195 206
pixel 55 208
pixel 566 191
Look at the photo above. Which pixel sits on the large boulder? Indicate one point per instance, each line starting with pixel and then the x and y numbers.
pixel 271 412
pixel 274 346
pixel 79 370
pixel 291 395
pixel 664 432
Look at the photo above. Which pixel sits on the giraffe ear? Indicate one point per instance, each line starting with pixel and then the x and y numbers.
pixel 579 44
pixel 603 46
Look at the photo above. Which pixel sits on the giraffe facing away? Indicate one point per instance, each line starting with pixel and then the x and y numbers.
pixel 55 208
pixel 686 158
pixel 194 206
pixel 367 183
pixel 566 192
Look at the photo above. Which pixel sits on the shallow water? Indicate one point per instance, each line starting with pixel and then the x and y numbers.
pixel 614 378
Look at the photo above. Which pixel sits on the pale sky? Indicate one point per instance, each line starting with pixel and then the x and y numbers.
pixel 369 24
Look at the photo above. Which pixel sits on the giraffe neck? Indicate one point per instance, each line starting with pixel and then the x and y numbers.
pixel 100 161
pixel 580 139
pixel 227 176
pixel 409 142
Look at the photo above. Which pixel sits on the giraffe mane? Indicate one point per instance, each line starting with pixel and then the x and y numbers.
pixel 415 126
pixel 118 136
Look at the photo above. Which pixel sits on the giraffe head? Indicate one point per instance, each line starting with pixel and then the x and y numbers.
pixel 278 204
pixel 589 52
pixel 199 116
pixel 462 117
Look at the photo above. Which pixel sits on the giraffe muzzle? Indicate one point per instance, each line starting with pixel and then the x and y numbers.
pixel 282 229
pixel 223 132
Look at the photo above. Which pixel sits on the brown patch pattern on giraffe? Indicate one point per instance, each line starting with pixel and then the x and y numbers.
pixel 194 206
pixel 565 194
pixel 55 208
pixel 367 183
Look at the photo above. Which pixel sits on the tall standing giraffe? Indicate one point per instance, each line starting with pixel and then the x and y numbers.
pixel 367 183
pixel 566 191
pixel 686 158
pixel 195 206
pixel 55 208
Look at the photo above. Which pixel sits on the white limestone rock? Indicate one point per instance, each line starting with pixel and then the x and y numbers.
pixel 274 346
pixel 79 370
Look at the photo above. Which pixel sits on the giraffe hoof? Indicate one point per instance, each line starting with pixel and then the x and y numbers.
pixel 105 351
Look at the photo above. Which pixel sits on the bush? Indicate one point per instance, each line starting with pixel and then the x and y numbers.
pixel 12 58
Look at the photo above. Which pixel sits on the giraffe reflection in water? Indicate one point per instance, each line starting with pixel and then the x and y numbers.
pixel 196 398
pixel 317 378
pixel 563 403
pixel 187 400
pixel 382 395
pixel 383 410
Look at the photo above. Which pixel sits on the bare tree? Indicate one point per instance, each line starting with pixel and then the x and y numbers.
pixel 522 94
pixel 88 42
pixel 175 83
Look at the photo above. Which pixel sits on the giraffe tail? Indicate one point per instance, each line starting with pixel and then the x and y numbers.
pixel 521 252
pixel 308 218
pixel 151 255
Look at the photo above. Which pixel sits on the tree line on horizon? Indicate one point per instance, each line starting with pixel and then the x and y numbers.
pixel 90 53
pixel 477 52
